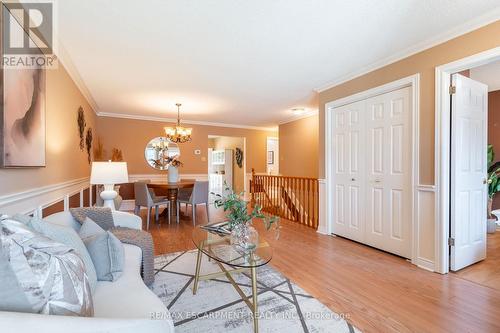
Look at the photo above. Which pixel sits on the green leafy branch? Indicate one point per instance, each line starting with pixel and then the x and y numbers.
pixel 237 209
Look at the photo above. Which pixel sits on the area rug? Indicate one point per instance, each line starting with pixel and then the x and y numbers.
pixel 217 307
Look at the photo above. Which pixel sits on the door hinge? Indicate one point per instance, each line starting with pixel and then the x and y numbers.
pixel 451 241
pixel 453 90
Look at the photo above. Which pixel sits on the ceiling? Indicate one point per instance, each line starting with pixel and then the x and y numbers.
pixel 243 62
pixel 487 74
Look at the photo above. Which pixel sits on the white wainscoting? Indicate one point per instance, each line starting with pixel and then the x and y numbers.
pixel 162 178
pixel 35 200
pixel 425 227
pixel 323 225
pixel 129 205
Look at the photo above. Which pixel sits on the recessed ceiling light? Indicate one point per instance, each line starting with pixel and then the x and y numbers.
pixel 298 111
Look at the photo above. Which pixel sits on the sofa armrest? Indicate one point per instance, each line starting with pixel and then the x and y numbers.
pixel 29 322
pixel 127 220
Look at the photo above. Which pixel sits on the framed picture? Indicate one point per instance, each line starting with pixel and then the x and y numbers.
pixel 270 157
pixel 22 114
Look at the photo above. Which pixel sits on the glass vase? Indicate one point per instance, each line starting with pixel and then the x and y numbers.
pixel 245 236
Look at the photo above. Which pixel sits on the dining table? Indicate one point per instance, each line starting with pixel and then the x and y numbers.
pixel 170 190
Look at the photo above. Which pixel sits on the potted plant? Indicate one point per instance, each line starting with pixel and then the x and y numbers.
pixel 240 219
pixel 493 187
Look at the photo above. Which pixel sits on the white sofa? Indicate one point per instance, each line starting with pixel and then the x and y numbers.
pixel 124 306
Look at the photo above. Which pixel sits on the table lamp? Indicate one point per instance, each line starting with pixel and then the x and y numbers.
pixel 109 174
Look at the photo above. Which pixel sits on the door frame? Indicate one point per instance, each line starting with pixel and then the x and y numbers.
pixel 276 138
pixel 442 148
pixel 413 82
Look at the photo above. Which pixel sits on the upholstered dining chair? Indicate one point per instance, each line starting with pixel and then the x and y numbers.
pixel 144 197
pixel 198 195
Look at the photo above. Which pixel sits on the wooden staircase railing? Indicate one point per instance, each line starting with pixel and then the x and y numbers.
pixel 293 198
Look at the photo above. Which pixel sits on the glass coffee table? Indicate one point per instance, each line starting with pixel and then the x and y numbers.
pixel 220 249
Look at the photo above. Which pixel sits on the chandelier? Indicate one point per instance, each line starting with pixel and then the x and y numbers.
pixel 178 134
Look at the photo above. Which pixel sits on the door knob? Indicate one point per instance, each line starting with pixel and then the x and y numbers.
pixel 485 181
pixel 378 180
pixel 353 179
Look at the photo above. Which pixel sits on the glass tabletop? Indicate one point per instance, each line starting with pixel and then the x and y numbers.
pixel 220 248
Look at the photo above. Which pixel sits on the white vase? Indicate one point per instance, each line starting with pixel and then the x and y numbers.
pixel 173 174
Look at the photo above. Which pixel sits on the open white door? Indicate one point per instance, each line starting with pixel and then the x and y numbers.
pixel 469 109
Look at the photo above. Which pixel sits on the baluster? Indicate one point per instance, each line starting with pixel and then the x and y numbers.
pixel 306 204
pixel 302 201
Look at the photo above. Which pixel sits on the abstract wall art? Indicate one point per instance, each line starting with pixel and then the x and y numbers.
pixel 22 118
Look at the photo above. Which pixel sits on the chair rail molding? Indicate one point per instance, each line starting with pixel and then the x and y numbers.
pixel 162 177
pixel 129 205
pixel 34 200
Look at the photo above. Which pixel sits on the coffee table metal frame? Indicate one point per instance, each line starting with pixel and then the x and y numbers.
pixel 250 301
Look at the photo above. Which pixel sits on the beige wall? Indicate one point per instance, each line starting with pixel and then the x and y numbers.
pixel 424 63
pixel 298 147
pixel 131 136
pixel 227 142
pixel 64 160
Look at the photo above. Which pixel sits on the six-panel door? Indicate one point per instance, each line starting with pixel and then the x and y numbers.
pixel 372 176
pixel 349 171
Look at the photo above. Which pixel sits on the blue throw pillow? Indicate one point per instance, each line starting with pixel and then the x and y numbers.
pixel 105 249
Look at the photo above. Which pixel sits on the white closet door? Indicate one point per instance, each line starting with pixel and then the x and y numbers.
pixel 349 174
pixel 388 191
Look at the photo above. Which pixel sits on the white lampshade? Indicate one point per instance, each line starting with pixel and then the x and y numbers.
pixel 109 173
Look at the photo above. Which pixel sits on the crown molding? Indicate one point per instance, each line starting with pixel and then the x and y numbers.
pixel 303 116
pixel 174 120
pixel 73 72
pixel 471 25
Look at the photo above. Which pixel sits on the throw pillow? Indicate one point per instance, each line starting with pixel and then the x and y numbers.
pixel 90 228
pixel 105 249
pixel 103 216
pixel 12 297
pixel 68 237
pixel 40 275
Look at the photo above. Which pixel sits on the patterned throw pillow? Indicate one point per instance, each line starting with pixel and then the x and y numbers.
pixel 66 236
pixel 40 275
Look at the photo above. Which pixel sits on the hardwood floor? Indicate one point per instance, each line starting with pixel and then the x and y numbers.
pixel 378 292
pixel 486 272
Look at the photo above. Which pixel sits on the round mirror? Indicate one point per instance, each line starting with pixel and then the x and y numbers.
pixel 159 151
